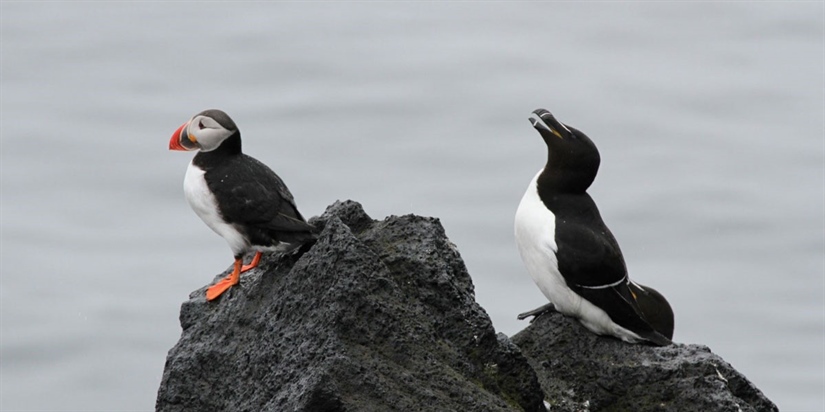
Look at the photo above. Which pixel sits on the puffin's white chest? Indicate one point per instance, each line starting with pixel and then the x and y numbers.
pixel 203 202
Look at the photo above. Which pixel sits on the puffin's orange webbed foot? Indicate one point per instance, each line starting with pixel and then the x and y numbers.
pixel 224 284
pixel 219 288
pixel 253 264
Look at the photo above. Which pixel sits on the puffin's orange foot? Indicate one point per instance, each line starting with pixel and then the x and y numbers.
pixel 224 284
pixel 253 264
pixel 219 288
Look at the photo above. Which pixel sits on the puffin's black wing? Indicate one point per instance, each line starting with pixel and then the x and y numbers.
pixel 250 194
pixel 592 265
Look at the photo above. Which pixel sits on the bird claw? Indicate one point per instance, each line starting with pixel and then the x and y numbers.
pixel 535 313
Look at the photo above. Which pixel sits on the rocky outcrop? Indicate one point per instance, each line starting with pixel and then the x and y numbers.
pixel 580 371
pixel 381 316
pixel 376 316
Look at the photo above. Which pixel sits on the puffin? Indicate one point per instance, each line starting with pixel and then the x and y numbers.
pixel 570 253
pixel 237 196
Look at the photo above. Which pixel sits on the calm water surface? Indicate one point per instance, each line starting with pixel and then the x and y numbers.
pixel 709 118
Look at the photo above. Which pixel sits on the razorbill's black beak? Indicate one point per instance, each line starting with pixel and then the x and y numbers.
pixel 548 126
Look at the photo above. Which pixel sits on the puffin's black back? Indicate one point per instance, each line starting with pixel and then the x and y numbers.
pixel 251 196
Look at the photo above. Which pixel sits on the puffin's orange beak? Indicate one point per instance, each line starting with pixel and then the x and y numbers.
pixel 174 142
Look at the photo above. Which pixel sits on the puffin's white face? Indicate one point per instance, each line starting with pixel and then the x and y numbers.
pixel 202 132
pixel 206 132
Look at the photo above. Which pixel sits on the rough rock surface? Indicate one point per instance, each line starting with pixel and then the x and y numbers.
pixel 381 316
pixel 580 371
pixel 376 316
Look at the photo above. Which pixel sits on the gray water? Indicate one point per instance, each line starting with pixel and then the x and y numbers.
pixel 710 119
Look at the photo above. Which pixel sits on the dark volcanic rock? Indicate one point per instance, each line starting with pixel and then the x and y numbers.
pixel 580 371
pixel 381 316
pixel 376 316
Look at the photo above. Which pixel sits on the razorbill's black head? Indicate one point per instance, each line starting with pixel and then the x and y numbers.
pixel 569 251
pixel 572 158
pixel 237 196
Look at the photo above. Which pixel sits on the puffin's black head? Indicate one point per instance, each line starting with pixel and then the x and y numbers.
pixel 572 158
pixel 654 307
pixel 205 132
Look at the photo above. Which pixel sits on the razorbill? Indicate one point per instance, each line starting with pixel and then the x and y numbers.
pixel 571 254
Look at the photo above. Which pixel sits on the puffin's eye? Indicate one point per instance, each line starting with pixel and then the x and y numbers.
pixel 200 124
